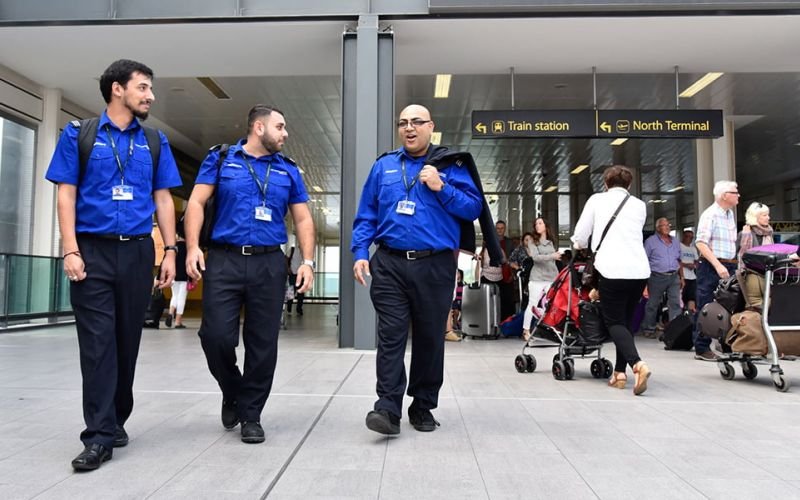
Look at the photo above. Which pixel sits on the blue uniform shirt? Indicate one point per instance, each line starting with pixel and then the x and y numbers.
pixel 95 211
pixel 238 195
pixel 436 222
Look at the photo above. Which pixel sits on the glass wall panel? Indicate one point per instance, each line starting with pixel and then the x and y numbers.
pixel 16 185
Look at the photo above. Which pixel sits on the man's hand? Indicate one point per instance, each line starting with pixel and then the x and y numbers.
pixel 722 271
pixel 74 267
pixel 305 278
pixel 167 273
pixel 361 269
pixel 195 263
pixel 430 177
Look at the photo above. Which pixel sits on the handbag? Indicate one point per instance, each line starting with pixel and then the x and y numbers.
pixel 590 274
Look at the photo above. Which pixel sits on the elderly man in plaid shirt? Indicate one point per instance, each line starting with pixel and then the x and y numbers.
pixel 716 243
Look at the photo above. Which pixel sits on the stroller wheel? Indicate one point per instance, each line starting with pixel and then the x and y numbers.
pixel 608 368
pixel 596 368
pixel 559 370
pixel 519 363
pixel 569 368
pixel 530 363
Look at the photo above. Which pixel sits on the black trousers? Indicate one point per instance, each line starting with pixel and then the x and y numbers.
pixel 109 306
pixel 618 300
pixel 415 293
pixel 256 282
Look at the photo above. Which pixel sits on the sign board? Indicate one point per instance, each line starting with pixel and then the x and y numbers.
pixel 545 123
pixel 576 123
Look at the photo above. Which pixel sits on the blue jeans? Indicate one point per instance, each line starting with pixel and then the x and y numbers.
pixel 707 281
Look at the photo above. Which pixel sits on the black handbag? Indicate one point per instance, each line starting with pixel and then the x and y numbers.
pixel 593 328
pixel 590 275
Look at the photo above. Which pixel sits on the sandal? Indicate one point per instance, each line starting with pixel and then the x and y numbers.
pixel 642 373
pixel 618 380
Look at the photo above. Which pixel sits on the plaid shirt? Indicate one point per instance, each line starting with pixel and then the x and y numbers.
pixel 717 229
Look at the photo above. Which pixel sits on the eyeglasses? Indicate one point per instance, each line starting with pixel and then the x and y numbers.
pixel 665 225
pixel 414 122
pixel 733 192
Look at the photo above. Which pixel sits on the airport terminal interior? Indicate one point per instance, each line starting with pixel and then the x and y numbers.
pixel 341 72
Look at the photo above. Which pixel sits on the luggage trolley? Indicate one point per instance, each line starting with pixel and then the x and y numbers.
pixel 558 326
pixel 778 271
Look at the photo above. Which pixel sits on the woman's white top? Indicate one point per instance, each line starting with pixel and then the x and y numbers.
pixel 622 254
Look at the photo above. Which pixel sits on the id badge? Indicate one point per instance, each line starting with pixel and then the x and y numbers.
pixel 406 207
pixel 121 192
pixel 264 213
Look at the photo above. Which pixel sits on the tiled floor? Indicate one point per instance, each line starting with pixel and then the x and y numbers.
pixel 503 434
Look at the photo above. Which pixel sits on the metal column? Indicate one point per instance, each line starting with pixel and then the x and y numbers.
pixel 367 131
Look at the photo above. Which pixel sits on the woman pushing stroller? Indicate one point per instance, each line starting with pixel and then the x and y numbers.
pixel 614 220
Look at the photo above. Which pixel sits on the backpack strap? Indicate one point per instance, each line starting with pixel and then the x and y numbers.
pixel 223 154
pixel 87 134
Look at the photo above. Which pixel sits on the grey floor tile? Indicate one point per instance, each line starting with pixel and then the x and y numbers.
pixel 626 484
pixel 309 483
pixel 715 488
pixel 517 486
pixel 246 477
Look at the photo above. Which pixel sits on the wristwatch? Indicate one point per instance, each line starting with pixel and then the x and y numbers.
pixel 310 263
pixel 174 248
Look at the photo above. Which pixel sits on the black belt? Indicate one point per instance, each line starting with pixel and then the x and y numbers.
pixel 246 249
pixel 670 273
pixel 117 237
pixel 412 254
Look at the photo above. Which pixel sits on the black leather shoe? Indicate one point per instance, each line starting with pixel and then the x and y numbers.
pixel 120 437
pixel 92 457
pixel 422 420
pixel 229 416
pixel 383 422
pixel 252 432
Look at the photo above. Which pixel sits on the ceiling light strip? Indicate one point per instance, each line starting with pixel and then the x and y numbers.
pixel 442 88
pixel 700 84
pixel 579 169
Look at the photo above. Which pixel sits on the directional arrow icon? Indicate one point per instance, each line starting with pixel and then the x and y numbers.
pixel 605 127
pixel 480 127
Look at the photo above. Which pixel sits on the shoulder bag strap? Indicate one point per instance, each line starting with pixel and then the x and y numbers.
pixel 611 221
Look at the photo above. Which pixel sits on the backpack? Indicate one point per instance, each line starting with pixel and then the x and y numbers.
pixel 210 209
pixel 87 133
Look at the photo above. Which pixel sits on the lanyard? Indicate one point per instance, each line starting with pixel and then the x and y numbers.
pixel 405 181
pixel 120 166
pixel 261 187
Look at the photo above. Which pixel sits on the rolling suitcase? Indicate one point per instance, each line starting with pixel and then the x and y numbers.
pixel 678 334
pixel 155 309
pixel 480 310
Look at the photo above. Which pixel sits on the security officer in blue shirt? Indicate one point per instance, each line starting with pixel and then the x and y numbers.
pixel 254 186
pixel 105 212
pixel 413 212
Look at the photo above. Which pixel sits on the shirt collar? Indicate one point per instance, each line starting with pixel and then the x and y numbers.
pixel 721 210
pixel 404 154
pixel 105 120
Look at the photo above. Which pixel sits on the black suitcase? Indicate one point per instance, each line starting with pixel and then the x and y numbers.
pixel 155 309
pixel 678 334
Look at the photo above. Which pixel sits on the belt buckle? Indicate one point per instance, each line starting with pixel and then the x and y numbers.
pixel 411 255
pixel 124 238
pixel 247 250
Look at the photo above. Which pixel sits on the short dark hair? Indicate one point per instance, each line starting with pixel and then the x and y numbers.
pixel 121 71
pixel 260 111
pixel 500 222
pixel 618 176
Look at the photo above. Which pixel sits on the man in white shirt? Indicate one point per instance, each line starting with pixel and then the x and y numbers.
pixel 689 260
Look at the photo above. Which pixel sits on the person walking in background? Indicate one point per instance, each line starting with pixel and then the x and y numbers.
pixel 177 303
pixel 666 275
pixel 716 243
pixel 544 254
pixel 254 187
pixel 105 213
pixel 413 211
pixel 508 288
pixel 615 218
pixel 295 261
pixel 454 320
pixel 689 262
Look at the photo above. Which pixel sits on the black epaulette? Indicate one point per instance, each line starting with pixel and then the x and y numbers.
pixel 386 153
pixel 215 147
pixel 290 160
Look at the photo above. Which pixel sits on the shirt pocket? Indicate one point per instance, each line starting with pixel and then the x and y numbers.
pixel 278 191
pixel 140 165
pixel 102 164
pixel 392 187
